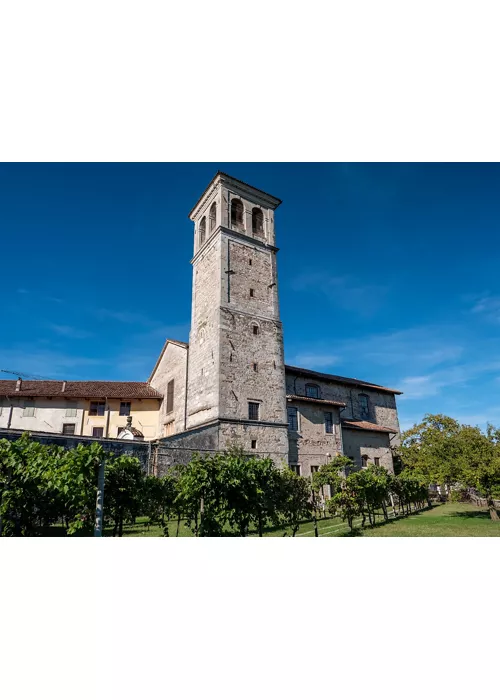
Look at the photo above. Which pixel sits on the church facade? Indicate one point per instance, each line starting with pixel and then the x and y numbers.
pixel 229 386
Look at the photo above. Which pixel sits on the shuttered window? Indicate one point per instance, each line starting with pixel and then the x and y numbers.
pixel 68 429
pixel 29 409
pixel 97 408
pixel 71 410
pixel 328 422
pixel 97 432
pixel 293 421
pixel 253 410
pixel 170 396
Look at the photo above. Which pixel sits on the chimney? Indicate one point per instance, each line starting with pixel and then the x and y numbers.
pixel 63 387
pixel 19 384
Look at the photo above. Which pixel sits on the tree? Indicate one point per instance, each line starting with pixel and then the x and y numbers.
pixel 123 489
pixel 294 502
pixel 158 499
pixel 480 463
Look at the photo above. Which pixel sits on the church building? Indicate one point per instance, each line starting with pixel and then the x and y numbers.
pixel 229 385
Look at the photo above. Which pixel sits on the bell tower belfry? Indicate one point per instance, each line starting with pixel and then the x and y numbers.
pixel 236 372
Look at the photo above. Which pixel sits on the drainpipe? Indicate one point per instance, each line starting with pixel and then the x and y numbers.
pixel 107 419
pixel 11 408
pixel 186 390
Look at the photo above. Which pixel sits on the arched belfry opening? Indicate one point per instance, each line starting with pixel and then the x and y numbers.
pixel 257 221
pixel 203 231
pixel 237 213
pixel 213 216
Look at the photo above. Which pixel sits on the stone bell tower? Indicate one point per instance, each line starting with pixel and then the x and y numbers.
pixel 236 373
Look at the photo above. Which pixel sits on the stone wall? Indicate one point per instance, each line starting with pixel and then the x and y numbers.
pixel 138 449
pixel 203 367
pixel 381 404
pixel 365 442
pixel 310 446
pixel 172 365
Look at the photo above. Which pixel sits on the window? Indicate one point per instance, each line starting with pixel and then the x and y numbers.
pixel 97 432
pixel 236 212
pixel 169 428
pixel 257 221
pixel 254 444
pixel 253 410
pixel 364 461
pixel 97 408
pixel 312 391
pixel 71 410
pixel 249 261
pixel 170 396
pixel 363 406
pixel 377 461
pixel 125 408
pixel 251 292
pixel 213 216
pixel 293 418
pixel 314 469
pixel 255 367
pixel 329 422
pixel 295 468
pixel 255 330
pixel 68 429
pixel 29 409
pixel 203 230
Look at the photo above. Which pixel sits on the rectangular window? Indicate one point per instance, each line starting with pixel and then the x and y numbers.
pixel 329 422
pixel 124 408
pixel 295 468
pixel 71 409
pixel 293 418
pixel 170 396
pixel 251 292
pixel 255 330
pixel 97 432
pixel 314 469
pixel 312 391
pixel 377 461
pixel 254 444
pixel 253 410
pixel 29 409
pixel 363 406
pixel 169 428
pixel 97 408
pixel 68 429
pixel 255 368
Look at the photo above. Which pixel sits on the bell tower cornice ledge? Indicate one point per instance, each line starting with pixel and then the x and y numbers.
pixel 236 235
pixel 237 186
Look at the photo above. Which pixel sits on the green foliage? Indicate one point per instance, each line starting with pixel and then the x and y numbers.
pixel 158 496
pixel 331 474
pixel 123 490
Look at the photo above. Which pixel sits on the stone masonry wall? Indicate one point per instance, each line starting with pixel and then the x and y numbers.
pixel 382 405
pixel 173 365
pixel 134 448
pixel 203 367
pixel 310 445
pixel 372 444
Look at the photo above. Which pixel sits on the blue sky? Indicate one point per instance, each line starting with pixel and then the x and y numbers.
pixel 387 272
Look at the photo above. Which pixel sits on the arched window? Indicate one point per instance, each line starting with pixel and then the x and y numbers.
pixel 203 230
pixel 236 212
pixel 213 216
pixel 257 221
pixel 364 410
pixel 312 391
pixel 364 461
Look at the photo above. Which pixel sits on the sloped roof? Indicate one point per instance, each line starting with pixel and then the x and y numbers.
pixel 81 390
pixel 337 378
pixel 366 425
pixel 327 402
pixel 180 343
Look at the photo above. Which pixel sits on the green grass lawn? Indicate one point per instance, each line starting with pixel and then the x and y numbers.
pixel 446 520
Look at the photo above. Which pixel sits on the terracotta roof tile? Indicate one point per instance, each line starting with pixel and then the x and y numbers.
pixel 327 402
pixel 81 390
pixel 366 425
pixel 341 380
